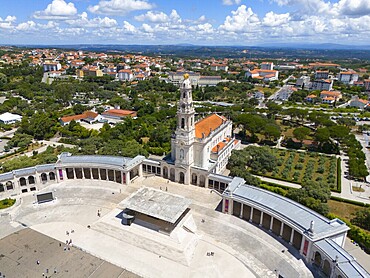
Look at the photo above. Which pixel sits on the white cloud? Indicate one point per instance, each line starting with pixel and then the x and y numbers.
pixel 10 18
pixel 97 22
pixel 128 27
pixel 353 7
pixel 272 19
pixel 242 20
pixel 7 22
pixel 26 26
pixel 231 2
pixel 152 17
pixel 120 7
pixel 58 9
pixel 147 28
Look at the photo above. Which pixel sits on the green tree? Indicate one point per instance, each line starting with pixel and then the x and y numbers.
pixel 362 218
pixel 301 133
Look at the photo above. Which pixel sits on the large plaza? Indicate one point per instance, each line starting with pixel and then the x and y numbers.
pixel 238 248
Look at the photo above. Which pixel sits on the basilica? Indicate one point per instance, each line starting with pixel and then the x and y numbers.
pixel 197 148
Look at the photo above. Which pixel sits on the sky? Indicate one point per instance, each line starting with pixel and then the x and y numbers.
pixel 199 22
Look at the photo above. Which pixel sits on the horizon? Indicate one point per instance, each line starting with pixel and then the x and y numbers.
pixel 160 22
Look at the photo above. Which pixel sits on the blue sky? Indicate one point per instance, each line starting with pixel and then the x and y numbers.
pixel 203 22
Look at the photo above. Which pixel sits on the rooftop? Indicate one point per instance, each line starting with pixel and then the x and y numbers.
pixel 158 204
pixel 208 124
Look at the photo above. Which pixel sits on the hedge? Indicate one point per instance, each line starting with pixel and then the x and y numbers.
pixel 352 202
pixel 339 176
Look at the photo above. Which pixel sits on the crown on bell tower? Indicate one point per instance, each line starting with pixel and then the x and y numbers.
pixel 186 76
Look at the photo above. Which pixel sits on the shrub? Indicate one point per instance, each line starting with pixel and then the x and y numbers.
pixel 299 166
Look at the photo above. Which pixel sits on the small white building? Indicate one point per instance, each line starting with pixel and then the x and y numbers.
pixel 52 66
pixel 9 118
pixel 125 75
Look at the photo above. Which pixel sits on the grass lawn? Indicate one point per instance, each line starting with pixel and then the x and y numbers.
pixel 5 203
pixel 303 166
pixel 342 209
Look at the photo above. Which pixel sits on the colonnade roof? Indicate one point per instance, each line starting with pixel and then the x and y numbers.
pixel 344 261
pixel 124 162
pixel 284 208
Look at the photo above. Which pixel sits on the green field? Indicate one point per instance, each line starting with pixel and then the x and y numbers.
pixel 298 167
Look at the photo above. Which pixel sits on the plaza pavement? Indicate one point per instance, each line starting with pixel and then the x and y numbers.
pixel 240 248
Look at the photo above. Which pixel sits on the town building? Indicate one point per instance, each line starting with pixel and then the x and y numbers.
pixel 118 114
pixel 347 77
pixel 322 74
pixel 303 82
pixel 267 66
pixel 125 75
pixel 49 66
pixel 87 116
pixel 9 118
pixel 265 75
pixel 209 81
pixel 367 84
pixel 218 67
pixel 359 103
pixel 333 94
pixel 311 98
pixel 322 84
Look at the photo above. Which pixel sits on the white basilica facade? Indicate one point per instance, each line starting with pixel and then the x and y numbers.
pixel 197 148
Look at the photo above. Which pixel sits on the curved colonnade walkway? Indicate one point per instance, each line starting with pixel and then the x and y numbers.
pixel 240 248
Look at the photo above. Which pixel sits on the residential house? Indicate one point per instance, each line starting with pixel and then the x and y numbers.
pixel 347 77
pixel 49 66
pixel 311 98
pixel 125 75
pixel 322 74
pixel 322 84
pixel 118 114
pixel 217 67
pixel 328 100
pixel 359 103
pixel 331 94
pixel 367 84
pixel 87 116
pixel 265 75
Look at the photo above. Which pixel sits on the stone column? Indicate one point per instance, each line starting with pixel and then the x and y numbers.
pixel 128 181
pixel 291 237
pixel 281 229
pixel 261 218
pixel 251 215
pixel 271 223
pixel 241 210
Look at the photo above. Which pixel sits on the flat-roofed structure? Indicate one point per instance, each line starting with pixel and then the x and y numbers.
pixel 162 210
pixel 319 240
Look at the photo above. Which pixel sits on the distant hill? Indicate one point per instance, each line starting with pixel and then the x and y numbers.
pixel 282 50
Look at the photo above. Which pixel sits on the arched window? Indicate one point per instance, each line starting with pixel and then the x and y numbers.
pixel 184 95
pixel 181 154
pixel 182 123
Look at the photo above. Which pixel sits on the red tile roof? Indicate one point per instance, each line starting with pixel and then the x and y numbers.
pixel 208 124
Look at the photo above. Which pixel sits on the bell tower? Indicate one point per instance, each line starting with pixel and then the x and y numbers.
pixel 182 152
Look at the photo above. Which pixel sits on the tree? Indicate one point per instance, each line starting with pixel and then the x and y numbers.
pixel 301 133
pixel 322 135
pixel 362 218
pixel 272 131
pixel 79 109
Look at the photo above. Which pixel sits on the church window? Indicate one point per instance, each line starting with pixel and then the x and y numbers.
pixel 181 154
pixel 182 123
